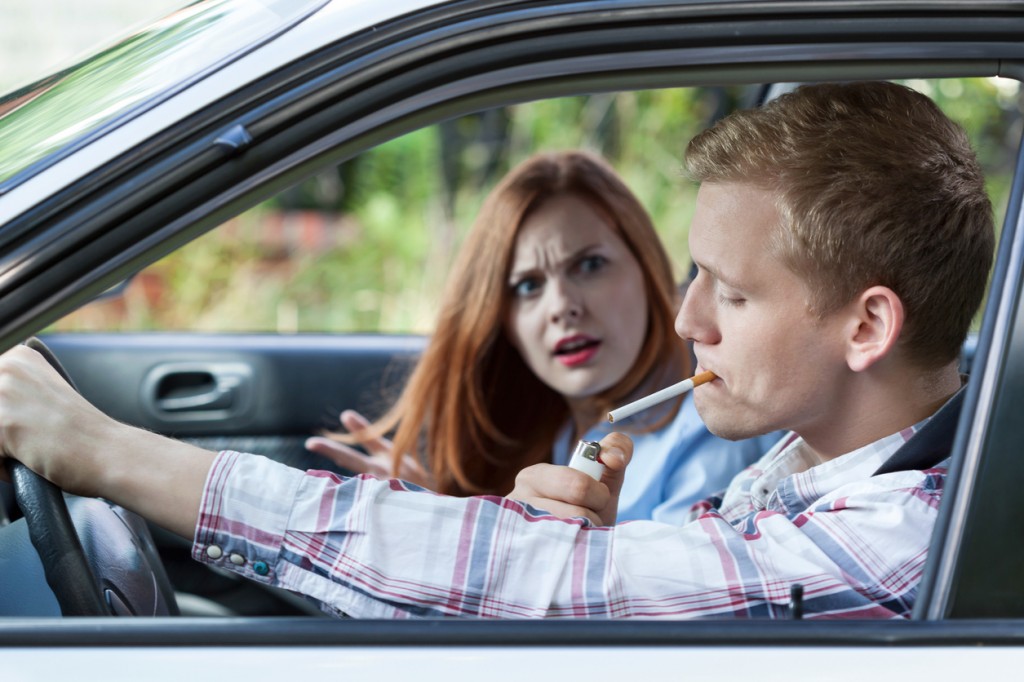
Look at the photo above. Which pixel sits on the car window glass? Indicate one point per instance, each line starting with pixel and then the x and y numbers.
pixel 366 246
pixel 42 118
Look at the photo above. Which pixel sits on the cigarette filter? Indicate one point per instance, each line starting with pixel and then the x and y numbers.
pixel 660 396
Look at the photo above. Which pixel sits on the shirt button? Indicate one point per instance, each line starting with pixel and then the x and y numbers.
pixel 237 559
pixel 261 568
pixel 214 552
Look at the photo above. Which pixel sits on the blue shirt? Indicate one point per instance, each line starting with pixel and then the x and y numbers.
pixel 673 467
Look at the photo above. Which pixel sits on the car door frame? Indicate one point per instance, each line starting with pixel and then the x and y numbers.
pixel 350 83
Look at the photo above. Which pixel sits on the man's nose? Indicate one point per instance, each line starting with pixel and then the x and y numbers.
pixel 695 319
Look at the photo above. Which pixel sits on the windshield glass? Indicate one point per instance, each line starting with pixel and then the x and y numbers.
pixel 50 115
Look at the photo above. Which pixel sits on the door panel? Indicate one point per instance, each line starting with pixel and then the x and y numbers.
pixel 262 393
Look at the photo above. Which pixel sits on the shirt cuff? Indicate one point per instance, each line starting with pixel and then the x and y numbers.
pixel 246 504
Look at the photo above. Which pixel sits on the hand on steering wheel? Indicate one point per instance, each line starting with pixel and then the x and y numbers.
pixel 52 532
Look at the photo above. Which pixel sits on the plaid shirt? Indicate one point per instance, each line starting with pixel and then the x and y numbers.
pixel 368 548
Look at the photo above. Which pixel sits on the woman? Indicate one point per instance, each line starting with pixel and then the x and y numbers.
pixel 560 307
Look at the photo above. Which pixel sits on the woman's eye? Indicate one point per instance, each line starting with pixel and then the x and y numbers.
pixel 592 264
pixel 526 287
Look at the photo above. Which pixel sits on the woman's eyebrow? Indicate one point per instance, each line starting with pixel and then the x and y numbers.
pixel 515 274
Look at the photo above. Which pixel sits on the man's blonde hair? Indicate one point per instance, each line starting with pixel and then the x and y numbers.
pixel 876 186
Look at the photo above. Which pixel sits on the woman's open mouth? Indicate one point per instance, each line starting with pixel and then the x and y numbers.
pixel 576 350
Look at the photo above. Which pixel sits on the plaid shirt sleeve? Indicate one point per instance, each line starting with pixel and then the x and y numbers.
pixel 386 549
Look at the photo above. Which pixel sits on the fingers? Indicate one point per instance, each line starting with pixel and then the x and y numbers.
pixel 341 454
pixel 355 422
pixel 567 493
pixel 562 491
pixel 565 511
pixel 40 414
pixel 568 486
pixel 34 400
pixel 616 451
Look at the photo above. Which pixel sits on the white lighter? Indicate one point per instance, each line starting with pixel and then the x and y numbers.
pixel 587 458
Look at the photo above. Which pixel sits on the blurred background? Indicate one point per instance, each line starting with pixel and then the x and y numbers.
pixel 336 252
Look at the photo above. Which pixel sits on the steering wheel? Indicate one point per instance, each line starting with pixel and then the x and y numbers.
pixel 111 531
pixel 52 532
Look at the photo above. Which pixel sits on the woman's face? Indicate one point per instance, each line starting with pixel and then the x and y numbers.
pixel 578 312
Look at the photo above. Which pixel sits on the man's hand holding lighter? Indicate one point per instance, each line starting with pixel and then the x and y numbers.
pixel 579 489
pixel 568 493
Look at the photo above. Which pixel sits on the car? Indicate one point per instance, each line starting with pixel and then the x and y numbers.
pixel 109 166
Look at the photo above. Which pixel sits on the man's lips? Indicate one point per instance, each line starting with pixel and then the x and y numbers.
pixel 701 368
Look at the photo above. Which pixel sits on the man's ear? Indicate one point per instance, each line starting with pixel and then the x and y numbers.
pixel 875 323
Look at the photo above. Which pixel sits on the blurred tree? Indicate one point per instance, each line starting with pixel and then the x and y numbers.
pixel 366 246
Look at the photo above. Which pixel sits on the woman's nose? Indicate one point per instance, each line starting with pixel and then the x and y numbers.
pixel 565 303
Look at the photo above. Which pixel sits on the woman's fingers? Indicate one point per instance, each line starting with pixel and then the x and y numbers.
pixel 379 458
pixel 344 456
pixel 355 422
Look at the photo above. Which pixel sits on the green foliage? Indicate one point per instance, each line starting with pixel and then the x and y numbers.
pixel 366 246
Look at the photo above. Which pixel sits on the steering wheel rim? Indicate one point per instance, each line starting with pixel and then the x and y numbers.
pixel 52 532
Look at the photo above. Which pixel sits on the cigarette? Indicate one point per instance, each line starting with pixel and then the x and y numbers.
pixel 660 397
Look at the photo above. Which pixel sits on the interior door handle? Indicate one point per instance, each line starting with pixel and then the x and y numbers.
pixel 207 397
pixel 198 390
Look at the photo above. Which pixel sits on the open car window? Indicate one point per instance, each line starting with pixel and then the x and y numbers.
pixel 340 275
pixel 365 246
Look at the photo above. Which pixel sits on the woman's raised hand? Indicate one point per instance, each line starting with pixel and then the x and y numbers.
pixel 378 461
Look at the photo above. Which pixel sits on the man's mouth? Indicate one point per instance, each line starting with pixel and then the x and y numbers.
pixel 701 368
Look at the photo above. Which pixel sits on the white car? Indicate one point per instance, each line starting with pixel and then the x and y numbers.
pixel 107 167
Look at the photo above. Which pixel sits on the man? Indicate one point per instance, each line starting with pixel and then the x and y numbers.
pixel 843 238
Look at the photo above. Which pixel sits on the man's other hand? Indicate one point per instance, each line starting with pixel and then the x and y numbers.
pixel 568 493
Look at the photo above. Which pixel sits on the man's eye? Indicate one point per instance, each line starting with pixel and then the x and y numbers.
pixel 526 287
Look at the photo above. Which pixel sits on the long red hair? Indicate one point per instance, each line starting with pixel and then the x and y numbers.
pixel 472 410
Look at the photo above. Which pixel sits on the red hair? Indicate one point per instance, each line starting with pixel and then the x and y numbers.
pixel 472 409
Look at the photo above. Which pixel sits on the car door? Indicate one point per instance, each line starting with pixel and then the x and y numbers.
pixel 598 46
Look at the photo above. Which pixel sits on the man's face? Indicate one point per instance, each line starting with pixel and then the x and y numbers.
pixel 779 366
